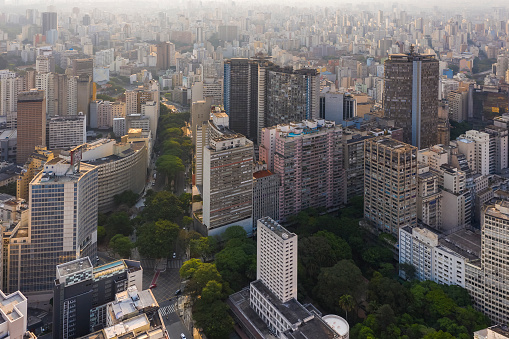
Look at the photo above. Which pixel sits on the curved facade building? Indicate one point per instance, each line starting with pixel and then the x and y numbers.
pixel 125 168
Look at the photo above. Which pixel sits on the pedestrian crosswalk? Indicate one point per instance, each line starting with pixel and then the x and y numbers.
pixel 174 263
pixel 166 310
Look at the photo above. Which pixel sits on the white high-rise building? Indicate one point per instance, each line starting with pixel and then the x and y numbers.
pixel 45 82
pixel 276 265
pixel 9 89
pixel 475 145
pixel 149 109
pixel 67 132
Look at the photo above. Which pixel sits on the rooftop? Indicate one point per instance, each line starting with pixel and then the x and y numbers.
pixel 315 328
pixel 262 174
pixel 394 144
pixel 8 305
pixel 292 310
pixel 276 228
pixel 74 266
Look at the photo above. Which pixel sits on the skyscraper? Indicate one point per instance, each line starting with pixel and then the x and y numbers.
pixel 486 280
pixel 165 55
pixel 411 96
pixel 62 225
pixel 31 123
pixel 390 184
pixel 49 21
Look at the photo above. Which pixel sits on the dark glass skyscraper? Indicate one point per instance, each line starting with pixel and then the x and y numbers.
pixel 49 21
pixel 411 96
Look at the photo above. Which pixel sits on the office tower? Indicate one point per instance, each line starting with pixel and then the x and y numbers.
pixel 165 55
pixel 31 123
pixel 46 83
pixel 265 194
pixel 486 279
pixel 390 184
pixel 85 92
pixel 458 105
pixel 269 307
pixel 475 145
pixel 14 316
pixel 83 66
pixel 411 96
pixel 277 272
pixel 241 96
pixel 33 165
pixel 86 20
pixel 62 225
pixel 308 157
pixel 228 32
pixel 66 132
pixel 49 21
pixel 337 106
pixel 227 179
pixel 81 293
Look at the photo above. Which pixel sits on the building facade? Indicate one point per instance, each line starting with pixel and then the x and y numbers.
pixel 67 132
pixel 31 123
pixel 411 96
pixel 390 184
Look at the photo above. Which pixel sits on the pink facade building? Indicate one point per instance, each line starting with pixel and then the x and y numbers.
pixel 307 156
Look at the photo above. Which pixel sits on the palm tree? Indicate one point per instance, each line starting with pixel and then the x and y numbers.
pixel 346 303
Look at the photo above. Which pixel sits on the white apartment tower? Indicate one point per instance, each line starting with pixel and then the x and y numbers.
pixel 478 154
pixel 276 264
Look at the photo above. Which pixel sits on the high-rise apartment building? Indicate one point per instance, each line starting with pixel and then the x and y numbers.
pixel 62 225
pixel 486 278
pixel 31 123
pixel 49 21
pixel 308 158
pixel 83 66
pixel 10 87
pixel 165 55
pixel 259 94
pixel 475 145
pixel 227 182
pixel 46 82
pixel 276 259
pixel 66 132
pixel 429 198
pixel 390 184
pixel 85 92
pixel 81 293
pixel 45 64
pixel 499 148
pixel 66 94
pixel 265 195
pixel 411 96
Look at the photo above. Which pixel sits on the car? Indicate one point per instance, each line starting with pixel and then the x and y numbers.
pixel 177 292
pixel 152 286
pixel 182 336
pixel 174 255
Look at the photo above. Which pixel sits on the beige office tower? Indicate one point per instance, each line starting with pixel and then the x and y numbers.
pixel 31 123
pixel 390 184
pixel 276 252
pixel 227 183
pixel 486 279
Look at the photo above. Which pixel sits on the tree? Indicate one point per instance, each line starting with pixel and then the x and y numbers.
pixel 127 197
pixel 214 319
pixel 343 278
pixel 346 303
pixel 119 223
pixel 439 335
pixel 170 166
pixel 234 232
pixel 156 240
pixel 189 267
pixel 212 291
pixel 203 247
pixel 101 234
pixel 163 205
pixel 408 269
pixel 121 245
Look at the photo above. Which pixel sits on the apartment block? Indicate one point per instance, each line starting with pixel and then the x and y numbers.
pixel 66 132
pixel 429 198
pixel 265 195
pixel 390 184
pixel 475 145
pixel 486 278
pixel 81 293
pixel 227 182
pixel 438 257
pixel 498 148
pixel 308 157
